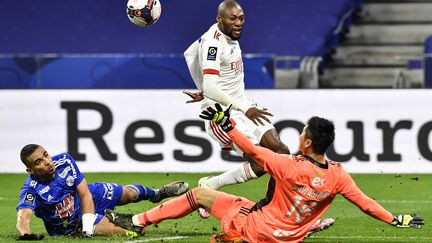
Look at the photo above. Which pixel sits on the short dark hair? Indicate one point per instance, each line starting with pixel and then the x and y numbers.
pixel 26 151
pixel 321 132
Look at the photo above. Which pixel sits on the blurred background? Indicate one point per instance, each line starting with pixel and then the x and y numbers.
pixel 289 44
pixel 376 53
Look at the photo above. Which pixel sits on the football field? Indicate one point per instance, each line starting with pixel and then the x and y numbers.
pixel 397 193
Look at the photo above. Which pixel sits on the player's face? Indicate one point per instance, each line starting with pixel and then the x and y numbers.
pixel 304 142
pixel 231 21
pixel 41 164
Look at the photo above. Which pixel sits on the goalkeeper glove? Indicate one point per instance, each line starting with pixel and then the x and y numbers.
pixel 406 220
pixel 31 237
pixel 218 116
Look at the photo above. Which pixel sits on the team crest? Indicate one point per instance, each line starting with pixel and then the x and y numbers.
pixel 211 54
pixel 70 180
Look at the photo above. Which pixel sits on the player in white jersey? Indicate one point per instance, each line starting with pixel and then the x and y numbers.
pixel 216 66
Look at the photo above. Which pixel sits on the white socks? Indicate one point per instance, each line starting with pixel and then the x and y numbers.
pixel 237 175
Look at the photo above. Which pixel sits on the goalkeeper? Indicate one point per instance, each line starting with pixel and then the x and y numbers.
pixel 306 184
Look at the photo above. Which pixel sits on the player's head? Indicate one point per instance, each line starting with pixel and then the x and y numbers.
pixel 38 162
pixel 317 135
pixel 230 19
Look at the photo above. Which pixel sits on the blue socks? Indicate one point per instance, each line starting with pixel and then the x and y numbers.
pixel 144 193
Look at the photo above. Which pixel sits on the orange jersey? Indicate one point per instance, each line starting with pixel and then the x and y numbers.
pixel 303 192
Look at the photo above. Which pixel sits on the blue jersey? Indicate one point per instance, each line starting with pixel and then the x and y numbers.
pixel 57 201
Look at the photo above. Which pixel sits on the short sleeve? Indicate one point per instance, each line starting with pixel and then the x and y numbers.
pixel 78 176
pixel 27 200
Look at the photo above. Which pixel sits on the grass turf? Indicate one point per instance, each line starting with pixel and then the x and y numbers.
pixel 397 193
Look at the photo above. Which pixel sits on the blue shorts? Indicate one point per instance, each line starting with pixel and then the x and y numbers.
pixel 106 195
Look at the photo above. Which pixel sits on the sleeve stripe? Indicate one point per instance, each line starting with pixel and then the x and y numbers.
pixel 211 71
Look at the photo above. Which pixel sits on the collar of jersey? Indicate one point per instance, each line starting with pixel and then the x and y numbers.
pixel 310 159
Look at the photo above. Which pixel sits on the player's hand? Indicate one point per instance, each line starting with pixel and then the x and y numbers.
pixel 218 116
pixel 195 96
pixel 406 220
pixel 257 115
pixel 31 237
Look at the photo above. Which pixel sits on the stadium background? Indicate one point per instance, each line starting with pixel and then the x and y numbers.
pixel 76 66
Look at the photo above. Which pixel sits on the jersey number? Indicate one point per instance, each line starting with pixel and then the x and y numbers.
pixel 302 209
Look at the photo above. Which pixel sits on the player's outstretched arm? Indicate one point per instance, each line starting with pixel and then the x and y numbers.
pixel 407 220
pixel 23 225
pixel 348 188
pixel 221 117
pixel 87 207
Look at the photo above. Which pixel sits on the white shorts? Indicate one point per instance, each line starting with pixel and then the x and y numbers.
pixel 243 124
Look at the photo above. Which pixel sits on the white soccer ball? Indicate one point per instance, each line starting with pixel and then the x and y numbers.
pixel 143 12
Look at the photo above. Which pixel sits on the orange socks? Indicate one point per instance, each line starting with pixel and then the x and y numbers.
pixel 172 209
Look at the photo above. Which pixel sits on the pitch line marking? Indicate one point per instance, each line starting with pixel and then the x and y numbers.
pixel 373 237
pixel 394 201
pixel 169 238
pixel 7 199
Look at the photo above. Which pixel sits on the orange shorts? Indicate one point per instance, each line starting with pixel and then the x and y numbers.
pixel 232 212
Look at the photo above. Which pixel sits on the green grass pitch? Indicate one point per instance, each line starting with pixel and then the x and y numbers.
pixel 397 193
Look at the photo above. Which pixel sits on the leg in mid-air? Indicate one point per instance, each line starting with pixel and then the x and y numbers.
pixel 249 170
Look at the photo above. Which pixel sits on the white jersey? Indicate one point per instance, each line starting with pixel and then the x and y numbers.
pixel 216 53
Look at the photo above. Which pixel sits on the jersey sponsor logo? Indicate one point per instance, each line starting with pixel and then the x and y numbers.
pixel 64 172
pixel 29 199
pixel 318 182
pixel 44 190
pixel 108 191
pixel 65 208
pixel 33 183
pixel 237 66
pixel 70 180
pixel 216 35
pixel 211 54
pixel 49 198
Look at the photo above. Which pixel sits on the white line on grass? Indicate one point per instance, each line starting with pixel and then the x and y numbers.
pixel 405 201
pixel 158 239
pixel 396 201
pixel 373 237
pixel 7 199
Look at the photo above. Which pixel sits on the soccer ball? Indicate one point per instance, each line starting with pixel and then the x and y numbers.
pixel 143 12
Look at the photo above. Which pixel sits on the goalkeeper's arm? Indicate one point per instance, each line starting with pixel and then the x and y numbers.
pixel 348 188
